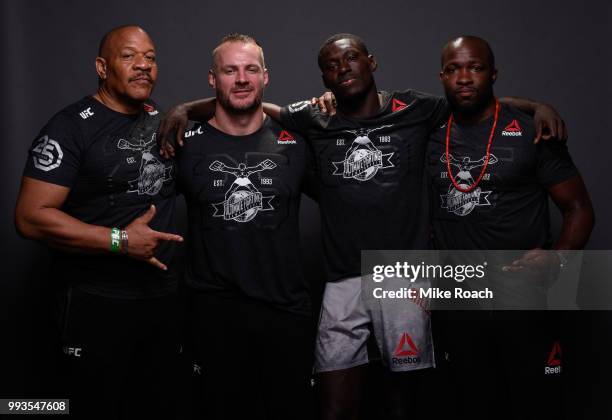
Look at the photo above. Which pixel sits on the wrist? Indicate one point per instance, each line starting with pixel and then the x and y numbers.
pixel 124 242
pixel 115 240
pixel 118 241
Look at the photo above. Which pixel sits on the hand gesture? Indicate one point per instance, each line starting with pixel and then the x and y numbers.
pixel 143 241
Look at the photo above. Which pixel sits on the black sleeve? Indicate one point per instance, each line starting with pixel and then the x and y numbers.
pixel 435 108
pixel 299 116
pixel 311 183
pixel 555 164
pixel 55 154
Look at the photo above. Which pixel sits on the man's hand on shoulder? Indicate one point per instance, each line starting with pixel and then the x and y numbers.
pixel 326 103
pixel 548 123
pixel 172 130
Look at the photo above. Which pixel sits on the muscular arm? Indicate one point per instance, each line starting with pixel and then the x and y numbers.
pixel 176 119
pixel 200 109
pixel 572 199
pixel 273 111
pixel 38 217
pixel 547 120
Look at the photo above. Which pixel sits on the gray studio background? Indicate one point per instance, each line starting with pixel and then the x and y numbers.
pixel 555 52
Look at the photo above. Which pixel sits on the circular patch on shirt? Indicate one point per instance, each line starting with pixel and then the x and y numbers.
pixel 47 154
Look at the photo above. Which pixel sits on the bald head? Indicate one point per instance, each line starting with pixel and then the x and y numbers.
pixel 126 66
pixel 475 43
pixel 109 40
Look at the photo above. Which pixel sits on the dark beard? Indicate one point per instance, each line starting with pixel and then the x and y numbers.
pixel 231 109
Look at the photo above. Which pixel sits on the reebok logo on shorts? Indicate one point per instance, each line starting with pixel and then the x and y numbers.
pixel 406 351
pixel 512 129
pixel 553 364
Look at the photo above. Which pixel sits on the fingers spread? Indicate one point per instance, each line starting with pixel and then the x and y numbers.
pixel 163 236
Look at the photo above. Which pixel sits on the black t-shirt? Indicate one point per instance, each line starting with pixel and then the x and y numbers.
pixel 243 198
pixel 509 208
pixel 371 175
pixel 111 164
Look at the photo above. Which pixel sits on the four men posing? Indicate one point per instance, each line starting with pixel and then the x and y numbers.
pixel 242 175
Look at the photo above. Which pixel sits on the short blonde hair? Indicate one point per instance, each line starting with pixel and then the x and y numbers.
pixel 236 37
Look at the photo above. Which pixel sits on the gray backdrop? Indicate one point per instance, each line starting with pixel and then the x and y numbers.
pixel 555 52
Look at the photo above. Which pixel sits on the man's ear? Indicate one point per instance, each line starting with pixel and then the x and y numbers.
pixel 494 76
pixel 212 82
pixel 373 63
pixel 101 68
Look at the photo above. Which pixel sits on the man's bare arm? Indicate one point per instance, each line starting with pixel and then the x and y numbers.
pixel 572 199
pixel 172 127
pixel 273 111
pixel 38 216
pixel 547 120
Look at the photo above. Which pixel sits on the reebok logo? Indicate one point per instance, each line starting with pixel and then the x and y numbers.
pixel 285 138
pixel 553 364
pixel 512 129
pixel 406 351
pixel 397 105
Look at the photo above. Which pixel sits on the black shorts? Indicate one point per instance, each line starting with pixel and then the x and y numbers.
pixel 120 355
pixel 255 360
pixel 503 364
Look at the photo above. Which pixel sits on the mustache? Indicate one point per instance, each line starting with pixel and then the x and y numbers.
pixel 243 88
pixel 140 76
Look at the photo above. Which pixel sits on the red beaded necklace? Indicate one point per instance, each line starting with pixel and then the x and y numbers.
pixel 486 163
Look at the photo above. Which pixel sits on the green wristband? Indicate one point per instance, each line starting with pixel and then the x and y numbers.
pixel 115 245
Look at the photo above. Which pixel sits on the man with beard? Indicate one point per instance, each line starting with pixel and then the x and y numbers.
pixel 369 161
pixel 241 174
pixel 491 185
pixel 96 191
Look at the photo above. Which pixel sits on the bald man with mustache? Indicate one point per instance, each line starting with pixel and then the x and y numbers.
pixel 96 192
